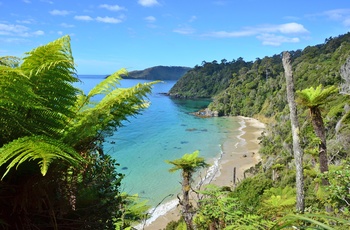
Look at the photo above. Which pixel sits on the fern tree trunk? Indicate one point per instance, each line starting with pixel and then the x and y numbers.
pixel 186 205
pixel 318 125
pixel 297 150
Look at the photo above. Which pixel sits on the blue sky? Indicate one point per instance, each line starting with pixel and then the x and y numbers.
pixel 108 35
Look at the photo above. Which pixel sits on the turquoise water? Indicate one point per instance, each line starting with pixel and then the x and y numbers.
pixel 164 131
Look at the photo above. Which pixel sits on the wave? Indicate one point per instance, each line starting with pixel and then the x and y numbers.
pixel 158 212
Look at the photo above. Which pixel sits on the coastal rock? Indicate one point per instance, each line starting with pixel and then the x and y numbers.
pixel 206 113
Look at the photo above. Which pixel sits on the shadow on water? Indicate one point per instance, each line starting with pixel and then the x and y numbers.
pixel 191 105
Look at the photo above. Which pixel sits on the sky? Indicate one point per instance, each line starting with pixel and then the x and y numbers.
pixel 107 35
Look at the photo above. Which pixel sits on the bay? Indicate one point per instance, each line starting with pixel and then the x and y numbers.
pixel 164 131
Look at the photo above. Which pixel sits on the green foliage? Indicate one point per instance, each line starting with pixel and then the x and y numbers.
pixel 189 162
pixel 45 121
pixel 311 221
pixel 338 190
pixel 220 211
pixel 95 120
pixel 133 210
pixel 276 202
pixel 37 148
pixel 256 186
pixel 158 73
pixel 315 97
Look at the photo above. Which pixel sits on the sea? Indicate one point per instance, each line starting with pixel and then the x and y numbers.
pixel 166 130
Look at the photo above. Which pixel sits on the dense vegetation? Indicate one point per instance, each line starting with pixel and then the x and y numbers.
pixel 158 73
pixel 258 89
pixel 54 174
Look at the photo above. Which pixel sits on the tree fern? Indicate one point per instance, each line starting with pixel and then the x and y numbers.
pixel 51 70
pixel 313 97
pixel 17 99
pixel 41 148
pixel 94 119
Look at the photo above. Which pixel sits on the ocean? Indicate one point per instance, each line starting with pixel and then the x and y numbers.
pixel 164 131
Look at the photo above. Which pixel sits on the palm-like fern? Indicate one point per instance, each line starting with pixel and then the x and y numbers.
pixel 94 119
pixel 314 98
pixel 45 121
pixel 37 148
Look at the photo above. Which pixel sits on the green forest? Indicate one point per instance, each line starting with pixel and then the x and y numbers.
pixel 55 175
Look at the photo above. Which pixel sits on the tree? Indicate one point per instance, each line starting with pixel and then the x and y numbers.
pixel 45 121
pixel 314 99
pixel 297 150
pixel 188 164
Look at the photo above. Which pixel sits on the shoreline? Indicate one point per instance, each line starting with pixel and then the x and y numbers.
pixel 240 155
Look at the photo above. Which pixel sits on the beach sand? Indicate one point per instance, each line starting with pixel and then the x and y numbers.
pixel 241 156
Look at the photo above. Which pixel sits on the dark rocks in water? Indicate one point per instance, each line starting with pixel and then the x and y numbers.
pixel 124 168
pixel 191 129
pixel 206 113
pixel 165 94
pixel 204 130
pixel 112 142
pixel 184 142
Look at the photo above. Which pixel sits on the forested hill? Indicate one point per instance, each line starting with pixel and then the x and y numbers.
pixel 258 89
pixel 159 73
pixel 246 88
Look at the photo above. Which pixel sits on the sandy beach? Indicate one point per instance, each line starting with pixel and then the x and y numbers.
pixel 241 156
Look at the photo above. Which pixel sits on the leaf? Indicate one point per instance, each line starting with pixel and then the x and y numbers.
pixel 41 148
pixel 108 84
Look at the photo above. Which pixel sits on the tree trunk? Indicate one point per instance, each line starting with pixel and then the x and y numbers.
pixel 318 125
pixel 297 150
pixel 186 205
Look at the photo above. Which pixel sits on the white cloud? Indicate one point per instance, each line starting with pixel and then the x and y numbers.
pixel 342 15
pixel 270 34
pixel 148 3
pixel 288 28
pixel 27 1
pixel 6 29
pixel 59 12
pixel 291 28
pixel 65 25
pixel 112 7
pixel 83 18
pixel 60 33
pixel 337 14
pixel 108 20
pixel 276 40
pixel 18 31
pixel 150 19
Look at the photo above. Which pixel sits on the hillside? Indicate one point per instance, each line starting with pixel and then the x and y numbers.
pixel 159 73
pixel 258 89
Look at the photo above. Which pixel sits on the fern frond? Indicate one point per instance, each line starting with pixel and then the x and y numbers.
pixel 313 97
pixel 41 148
pixel 108 84
pixel 10 61
pixel 108 114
